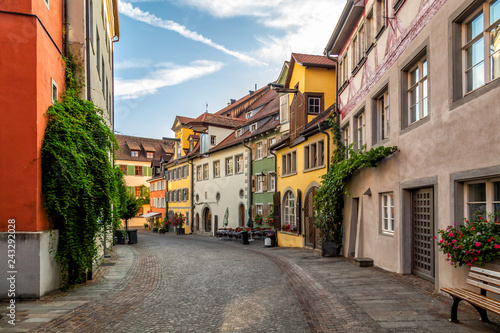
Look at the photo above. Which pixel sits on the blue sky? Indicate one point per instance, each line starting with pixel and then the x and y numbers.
pixel 175 56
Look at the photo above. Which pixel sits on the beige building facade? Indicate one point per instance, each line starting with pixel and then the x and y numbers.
pixel 433 96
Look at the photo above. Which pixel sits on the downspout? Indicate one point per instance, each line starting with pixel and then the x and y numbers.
pixel 190 161
pixel 276 186
pixel 336 60
pixel 87 41
pixel 327 146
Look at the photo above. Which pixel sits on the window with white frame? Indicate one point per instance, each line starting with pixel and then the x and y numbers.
pixel 272 141
pixel 417 91
pixel 229 166
pixel 369 27
pixel 314 105
pixel 314 155
pixel 179 149
pixel 212 140
pixel 134 153
pixel 258 150
pixel 149 154
pixel 346 139
pixel 482 197
pixel 258 185
pixel 198 173
pixel 387 207
pixel 205 171
pixel 54 91
pixel 380 16
pixel 288 163
pixel 382 114
pixel 360 122
pixel 248 114
pixel 258 209
pixel 481 45
pixel 239 164
pixel 253 127
pixel 343 71
pixel 289 216
pixel 354 51
pixel 284 108
pixel 216 169
pixel 272 182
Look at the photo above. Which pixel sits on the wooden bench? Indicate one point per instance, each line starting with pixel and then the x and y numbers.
pixel 485 280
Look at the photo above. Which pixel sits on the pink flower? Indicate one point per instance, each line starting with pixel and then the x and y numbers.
pixel 466 252
pixel 441 241
pixel 497 246
pixel 469 263
pixel 451 234
pixel 477 244
pixel 460 247
pixel 454 241
pixel 478 252
pixel 435 237
pixel 472 229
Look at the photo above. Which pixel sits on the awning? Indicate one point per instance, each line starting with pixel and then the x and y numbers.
pixel 150 214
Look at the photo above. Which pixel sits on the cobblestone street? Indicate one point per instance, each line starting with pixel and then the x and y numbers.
pixel 169 283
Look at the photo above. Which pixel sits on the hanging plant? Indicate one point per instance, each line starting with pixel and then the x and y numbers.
pixel 329 199
pixel 78 181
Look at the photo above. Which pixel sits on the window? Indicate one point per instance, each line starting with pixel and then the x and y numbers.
pixel 205 171
pixel 354 52
pixel 98 52
pixel 289 209
pixel 380 16
pixel 314 105
pixel 248 115
pixel 238 133
pixel 229 166
pixel 253 127
pixel 212 140
pixel 198 173
pixel 284 109
pixel 123 168
pixel 55 92
pixel 272 182
pixel 481 46
pixel 346 138
pixel 138 170
pixel 91 19
pixel 258 150
pixel 179 150
pixel 258 185
pixel 482 197
pixel 361 42
pixel 186 171
pixel 288 163
pixel 314 155
pixel 417 91
pixel 343 71
pixel 239 164
pixel 138 191
pixel 382 115
pixel 369 27
pixel 388 213
pixel 149 154
pixel 216 169
pixel 258 209
pixel 102 79
pixel 272 141
pixel 360 130
pixel 134 153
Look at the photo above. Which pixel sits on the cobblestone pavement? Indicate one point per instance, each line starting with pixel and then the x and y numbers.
pixel 169 283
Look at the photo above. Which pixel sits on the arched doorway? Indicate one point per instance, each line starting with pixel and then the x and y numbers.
pixel 242 215
pixel 207 219
pixel 197 222
pixel 311 233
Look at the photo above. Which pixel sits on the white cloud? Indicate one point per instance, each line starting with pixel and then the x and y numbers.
pixel 165 75
pixel 145 17
pixel 307 24
pixel 133 63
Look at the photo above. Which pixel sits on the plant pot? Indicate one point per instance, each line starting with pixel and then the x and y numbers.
pixel 330 249
pixel 179 231
pixel 120 237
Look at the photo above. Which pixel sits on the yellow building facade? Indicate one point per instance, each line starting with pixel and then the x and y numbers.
pixel 303 156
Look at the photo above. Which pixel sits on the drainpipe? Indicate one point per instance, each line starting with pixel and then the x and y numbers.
pixel 336 60
pixel 190 161
pixel 250 171
pixel 327 147
pixel 276 186
pixel 87 41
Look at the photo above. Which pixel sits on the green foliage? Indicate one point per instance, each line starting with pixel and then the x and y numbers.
pixel 129 207
pixel 143 199
pixel 329 199
pixel 77 178
pixel 475 242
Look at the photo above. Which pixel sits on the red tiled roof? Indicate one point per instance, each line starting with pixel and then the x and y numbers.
pixel 270 100
pixel 313 60
pixel 159 147
pixel 240 101
pixel 184 120
pixel 212 119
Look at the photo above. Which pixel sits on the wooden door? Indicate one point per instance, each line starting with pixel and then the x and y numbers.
pixel 242 216
pixel 311 232
pixel 423 233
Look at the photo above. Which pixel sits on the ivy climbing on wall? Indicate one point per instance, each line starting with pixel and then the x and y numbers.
pixel 78 181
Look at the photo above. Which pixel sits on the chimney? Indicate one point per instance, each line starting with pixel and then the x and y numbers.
pixel 232 101
pixel 250 92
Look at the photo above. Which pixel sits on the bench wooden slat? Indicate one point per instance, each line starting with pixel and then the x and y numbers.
pixel 484 286
pixel 485 271
pixel 484 278
pixel 476 299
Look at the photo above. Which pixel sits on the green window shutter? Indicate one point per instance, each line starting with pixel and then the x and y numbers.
pixel 149 171
pixel 130 170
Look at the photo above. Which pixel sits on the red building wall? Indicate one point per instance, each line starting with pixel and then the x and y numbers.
pixel 30 57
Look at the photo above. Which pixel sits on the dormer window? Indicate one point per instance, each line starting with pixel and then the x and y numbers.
pixel 149 154
pixel 212 140
pixel 179 147
pixel 134 153
pixel 253 127
pixel 238 133
pixel 249 114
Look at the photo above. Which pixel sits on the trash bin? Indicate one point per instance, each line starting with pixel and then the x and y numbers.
pixel 244 238
pixel 132 236
pixel 120 236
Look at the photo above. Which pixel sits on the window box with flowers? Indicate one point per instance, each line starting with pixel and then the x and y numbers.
pixel 474 243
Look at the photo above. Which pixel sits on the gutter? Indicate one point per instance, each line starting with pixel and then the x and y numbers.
pixel 327 147
pixel 87 41
pixel 250 201
pixel 336 60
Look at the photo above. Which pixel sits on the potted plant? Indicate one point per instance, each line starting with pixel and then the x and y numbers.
pixel 177 221
pixel 270 217
pixel 258 219
pixel 146 225
pixel 474 243
pixel 331 233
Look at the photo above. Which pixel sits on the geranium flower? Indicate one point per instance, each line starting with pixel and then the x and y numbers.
pixel 477 244
pixel 497 246
pixel 451 234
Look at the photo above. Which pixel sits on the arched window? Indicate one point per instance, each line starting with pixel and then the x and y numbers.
pixel 289 209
